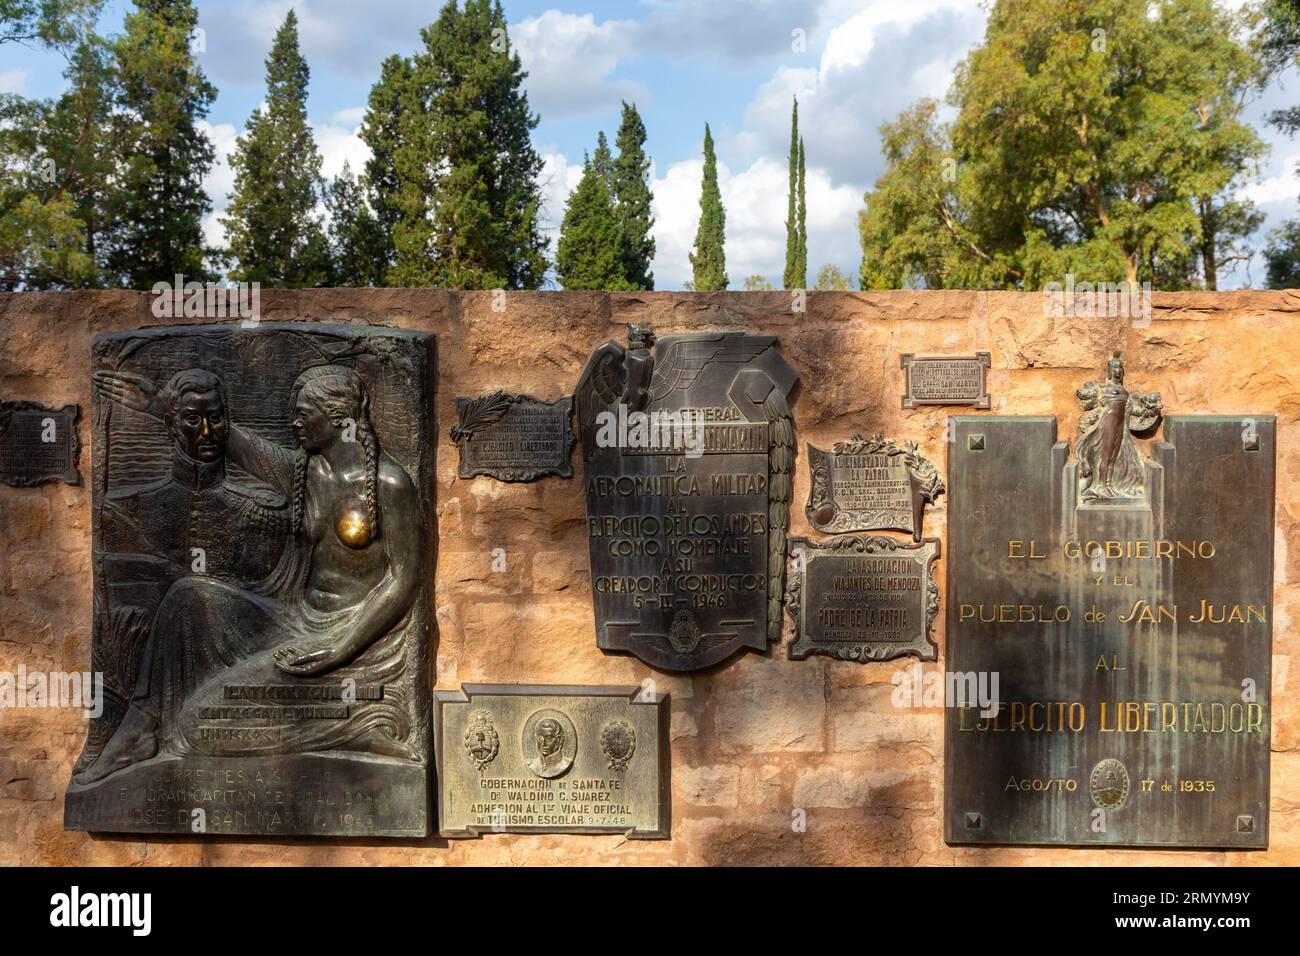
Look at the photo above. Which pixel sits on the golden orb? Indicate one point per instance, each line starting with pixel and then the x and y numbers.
pixel 353 528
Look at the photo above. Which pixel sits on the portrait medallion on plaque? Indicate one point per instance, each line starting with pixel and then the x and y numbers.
pixel 514 437
pixel 945 380
pixel 39 444
pixel 516 758
pixel 870 484
pixel 1109 626
pixel 261 552
pixel 688 443
pixel 862 598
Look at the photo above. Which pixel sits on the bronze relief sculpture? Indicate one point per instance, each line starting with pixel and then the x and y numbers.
pixel 263 602
pixel 1110 465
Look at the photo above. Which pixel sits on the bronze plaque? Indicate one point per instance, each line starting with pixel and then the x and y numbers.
pixel 870 484
pixel 862 598
pixel 514 437
pixel 517 758
pixel 1109 627
pixel 262 557
pixel 39 444
pixel 689 449
pixel 945 380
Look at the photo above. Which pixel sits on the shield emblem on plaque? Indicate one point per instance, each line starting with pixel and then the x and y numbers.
pixel 688 450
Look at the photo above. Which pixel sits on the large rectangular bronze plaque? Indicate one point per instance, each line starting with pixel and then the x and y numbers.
pixel 262 554
pixel 862 598
pixel 945 380
pixel 39 444
pixel 515 758
pixel 1123 599
pixel 689 452
pixel 514 437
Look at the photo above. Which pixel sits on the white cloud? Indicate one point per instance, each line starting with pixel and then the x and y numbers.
pixel 558 179
pixel 569 59
pixel 338 144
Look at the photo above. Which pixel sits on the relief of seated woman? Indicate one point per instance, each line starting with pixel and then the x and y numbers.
pixel 313 659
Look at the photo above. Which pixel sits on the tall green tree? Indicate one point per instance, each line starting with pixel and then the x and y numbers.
pixel 357 242
pixel 709 260
pixel 162 97
pixel 58 158
pixel 457 181
pixel 588 255
pixel 275 232
pixel 791 278
pixel 633 200
pixel 801 249
pixel 1087 137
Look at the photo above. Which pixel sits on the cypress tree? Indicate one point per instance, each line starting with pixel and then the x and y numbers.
pixel 709 260
pixel 356 237
pixel 801 257
pixel 393 112
pixel 476 225
pixel 792 214
pixel 275 234
pixel 632 201
pixel 588 255
pixel 162 97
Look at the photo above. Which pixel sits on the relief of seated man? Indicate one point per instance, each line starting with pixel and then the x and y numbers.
pixel 333 613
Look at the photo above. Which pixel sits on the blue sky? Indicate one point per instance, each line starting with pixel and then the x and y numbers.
pixel 853 63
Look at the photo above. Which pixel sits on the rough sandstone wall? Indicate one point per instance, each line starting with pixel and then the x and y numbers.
pixel 751 740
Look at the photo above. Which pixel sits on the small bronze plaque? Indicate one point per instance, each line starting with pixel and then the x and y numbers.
pixel 1109 626
pixel 870 484
pixel 945 380
pixel 862 598
pixel 39 444
pixel 514 437
pixel 689 450
pixel 519 758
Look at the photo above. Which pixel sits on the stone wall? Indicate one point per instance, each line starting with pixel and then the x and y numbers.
pixel 753 739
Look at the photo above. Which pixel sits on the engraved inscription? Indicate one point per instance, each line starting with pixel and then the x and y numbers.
pixel 514 437
pixel 945 380
pixel 862 598
pixel 39 444
pixel 870 484
pixel 567 760
pixel 689 449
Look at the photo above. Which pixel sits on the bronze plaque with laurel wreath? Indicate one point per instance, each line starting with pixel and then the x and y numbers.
pixel 513 437
pixel 870 484
pixel 862 598
pixel 688 444
pixel 262 516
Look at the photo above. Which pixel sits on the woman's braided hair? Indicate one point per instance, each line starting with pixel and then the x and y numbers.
pixel 340 393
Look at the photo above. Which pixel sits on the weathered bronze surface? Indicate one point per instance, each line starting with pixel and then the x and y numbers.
pixel 262 549
pixel 870 484
pixel 514 437
pixel 945 380
pixel 516 758
pixel 689 451
pixel 39 444
pixel 1131 636
pixel 1110 466
pixel 862 598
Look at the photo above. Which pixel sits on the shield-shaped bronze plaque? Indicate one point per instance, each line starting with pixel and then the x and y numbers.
pixel 870 484
pixel 513 437
pixel 862 598
pixel 688 445
pixel 39 444
pixel 518 758
pixel 1109 627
